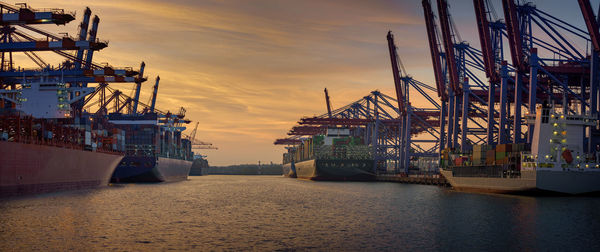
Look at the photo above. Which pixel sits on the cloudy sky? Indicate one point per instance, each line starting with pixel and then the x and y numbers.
pixel 248 70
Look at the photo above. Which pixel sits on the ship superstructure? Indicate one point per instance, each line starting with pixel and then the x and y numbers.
pixel 558 156
pixel 555 163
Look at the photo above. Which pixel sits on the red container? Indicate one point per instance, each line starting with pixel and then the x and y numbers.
pixel 458 161
pixel 504 148
pixel 567 156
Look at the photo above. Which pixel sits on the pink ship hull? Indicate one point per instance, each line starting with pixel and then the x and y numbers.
pixel 29 168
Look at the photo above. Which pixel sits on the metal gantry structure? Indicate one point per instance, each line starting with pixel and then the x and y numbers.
pixel 484 95
pixel 377 120
pixel 397 131
pixel 546 64
pixel 20 33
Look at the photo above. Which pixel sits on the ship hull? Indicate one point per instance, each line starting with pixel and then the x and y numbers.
pixel 540 181
pixel 31 169
pixel 289 170
pixel 569 182
pixel 324 169
pixel 526 183
pixel 151 169
pixel 199 167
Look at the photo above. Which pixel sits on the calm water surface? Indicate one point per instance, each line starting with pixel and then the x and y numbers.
pixel 275 213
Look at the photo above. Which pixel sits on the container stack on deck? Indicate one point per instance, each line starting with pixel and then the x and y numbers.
pixel 485 155
pixel 348 147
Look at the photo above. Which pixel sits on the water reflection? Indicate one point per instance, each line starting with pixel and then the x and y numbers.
pixel 274 213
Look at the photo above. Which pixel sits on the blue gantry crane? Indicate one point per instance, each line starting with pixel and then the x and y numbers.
pixel 21 35
pixel 511 78
pixel 485 96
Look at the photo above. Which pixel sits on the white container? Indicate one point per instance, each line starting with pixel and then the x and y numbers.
pixel 88 138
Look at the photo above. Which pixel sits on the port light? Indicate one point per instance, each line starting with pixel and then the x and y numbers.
pixel 562 116
pixel 564 132
pixel 555 124
pixel 547 156
pixel 564 140
pixel 555 133
pixel 587 166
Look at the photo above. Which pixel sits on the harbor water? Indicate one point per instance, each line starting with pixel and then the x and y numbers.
pixel 220 212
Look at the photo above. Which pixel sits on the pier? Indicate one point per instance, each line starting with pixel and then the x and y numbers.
pixel 436 179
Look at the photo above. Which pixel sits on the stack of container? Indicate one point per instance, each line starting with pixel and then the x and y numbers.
pixel 503 154
pixel 480 154
pixel 358 152
pixel 340 148
pixel 490 157
pixel 323 151
pixel 461 161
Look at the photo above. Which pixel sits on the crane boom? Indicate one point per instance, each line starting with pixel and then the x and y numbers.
pixel 448 46
pixel 514 34
pixel 396 72
pixel 590 22
pixel 328 103
pixel 92 37
pixel 193 134
pixel 82 34
pixel 154 93
pixel 204 147
pixel 485 40
pixel 138 87
pixel 435 51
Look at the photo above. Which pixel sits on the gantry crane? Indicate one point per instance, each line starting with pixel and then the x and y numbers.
pixel 197 144
pixel 328 103
pixel 21 35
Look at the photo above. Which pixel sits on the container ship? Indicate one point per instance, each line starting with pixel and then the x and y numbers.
pixel 554 162
pixel 154 148
pixel 44 149
pixel 199 166
pixel 334 156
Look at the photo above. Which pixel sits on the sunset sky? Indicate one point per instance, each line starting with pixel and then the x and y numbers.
pixel 248 70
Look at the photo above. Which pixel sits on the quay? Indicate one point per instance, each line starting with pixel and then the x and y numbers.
pixel 414 179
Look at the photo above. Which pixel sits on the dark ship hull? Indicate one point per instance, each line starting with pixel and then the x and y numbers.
pixel 199 167
pixel 151 169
